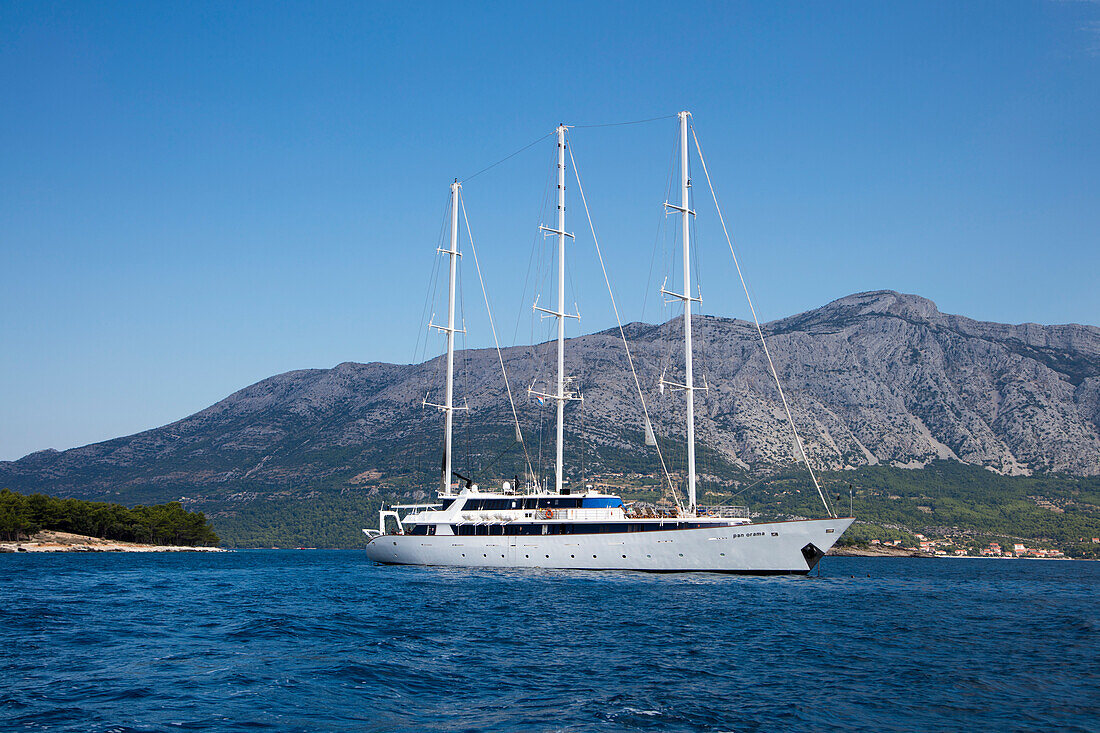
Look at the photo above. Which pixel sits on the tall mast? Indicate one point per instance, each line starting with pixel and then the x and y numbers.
pixel 689 386
pixel 448 402
pixel 561 311
pixel 560 396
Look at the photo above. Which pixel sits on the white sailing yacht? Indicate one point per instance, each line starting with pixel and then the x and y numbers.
pixel 535 527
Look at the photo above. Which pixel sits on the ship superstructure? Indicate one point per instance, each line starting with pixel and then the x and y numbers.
pixel 556 527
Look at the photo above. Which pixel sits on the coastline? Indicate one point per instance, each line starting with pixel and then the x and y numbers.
pixel 890 552
pixel 854 551
pixel 53 541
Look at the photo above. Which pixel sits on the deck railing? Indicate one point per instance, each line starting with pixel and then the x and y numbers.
pixel 650 512
pixel 727 511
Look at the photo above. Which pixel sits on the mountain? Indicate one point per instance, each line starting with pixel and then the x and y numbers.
pixel 878 378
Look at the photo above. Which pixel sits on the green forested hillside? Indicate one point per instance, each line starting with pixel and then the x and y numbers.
pixel 163 524
pixel 945 499
pixel 325 521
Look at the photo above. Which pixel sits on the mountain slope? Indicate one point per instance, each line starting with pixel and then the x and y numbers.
pixel 873 378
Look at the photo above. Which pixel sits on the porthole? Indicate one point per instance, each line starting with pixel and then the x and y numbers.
pixel 722 554
pixel 649 555
pixel 624 557
pixel 527 556
pixel 547 557
pixel 593 557
pixel 681 554
pixel 484 555
pixel 572 556
pixel 464 554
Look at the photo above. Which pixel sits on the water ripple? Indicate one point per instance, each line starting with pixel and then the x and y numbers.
pixel 305 641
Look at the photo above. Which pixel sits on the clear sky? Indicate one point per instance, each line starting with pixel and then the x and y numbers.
pixel 197 196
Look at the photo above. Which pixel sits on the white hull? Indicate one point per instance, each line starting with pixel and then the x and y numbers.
pixel 770 548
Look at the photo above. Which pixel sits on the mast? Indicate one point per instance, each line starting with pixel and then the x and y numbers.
pixel 448 401
pixel 561 311
pixel 560 395
pixel 689 386
pixel 689 378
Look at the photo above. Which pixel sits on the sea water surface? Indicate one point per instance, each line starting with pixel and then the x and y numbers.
pixel 326 641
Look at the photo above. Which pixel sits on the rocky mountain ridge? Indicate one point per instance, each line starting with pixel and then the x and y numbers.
pixel 877 377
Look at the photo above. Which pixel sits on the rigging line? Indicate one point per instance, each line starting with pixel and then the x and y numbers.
pixel 440 362
pixel 700 323
pixel 465 370
pixel 508 157
pixel 498 457
pixel 533 258
pixel 759 331
pixel 755 483
pixel 670 263
pixel 523 295
pixel 580 436
pixel 538 478
pixel 493 328
pixel 430 289
pixel 619 124
pixel 419 354
pixel 657 237
pixel 697 268
pixel 619 321
pixel 434 285
pixel 543 282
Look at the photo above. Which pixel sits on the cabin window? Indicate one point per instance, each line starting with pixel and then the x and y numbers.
pixel 554 528
pixel 603 502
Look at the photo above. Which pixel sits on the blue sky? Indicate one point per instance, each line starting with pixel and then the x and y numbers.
pixel 196 196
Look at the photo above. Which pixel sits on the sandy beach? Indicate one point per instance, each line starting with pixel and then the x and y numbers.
pixel 52 541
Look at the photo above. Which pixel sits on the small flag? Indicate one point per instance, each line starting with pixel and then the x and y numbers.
pixel 541 401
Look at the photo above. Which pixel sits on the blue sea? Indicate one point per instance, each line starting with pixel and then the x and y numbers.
pixel 326 641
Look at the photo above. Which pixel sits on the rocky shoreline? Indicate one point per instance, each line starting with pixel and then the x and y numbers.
pixel 52 541
pixel 864 551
